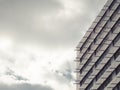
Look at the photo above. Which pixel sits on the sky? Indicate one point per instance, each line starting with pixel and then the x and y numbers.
pixel 38 40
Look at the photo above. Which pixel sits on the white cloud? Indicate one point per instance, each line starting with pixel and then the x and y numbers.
pixel 37 41
pixel 24 86
pixel 38 66
pixel 5 42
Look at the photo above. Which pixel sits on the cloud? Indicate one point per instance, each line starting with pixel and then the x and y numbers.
pixel 67 70
pixel 50 23
pixel 16 7
pixel 63 74
pixel 10 72
pixel 36 66
pixel 19 18
pixel 24 86
pixel 56 25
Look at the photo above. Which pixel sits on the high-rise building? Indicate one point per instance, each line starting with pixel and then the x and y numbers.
pixel 98 53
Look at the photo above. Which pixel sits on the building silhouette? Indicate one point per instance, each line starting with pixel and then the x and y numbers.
pixel 98 53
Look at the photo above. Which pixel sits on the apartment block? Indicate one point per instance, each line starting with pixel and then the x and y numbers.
pixel 98 53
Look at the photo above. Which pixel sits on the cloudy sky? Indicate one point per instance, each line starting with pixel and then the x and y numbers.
pixel 38 39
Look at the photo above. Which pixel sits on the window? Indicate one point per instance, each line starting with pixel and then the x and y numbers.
pixel 103 69
pixel 116 39
pixel 117 70
pixel 117 54
pixel 117 87
pixel 86 76
pixel 107 81
pixel 99 60
pixel 102 56
pixel 90 85
pixel 86 64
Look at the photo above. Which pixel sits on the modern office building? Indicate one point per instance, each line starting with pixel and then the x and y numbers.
pixel 98 53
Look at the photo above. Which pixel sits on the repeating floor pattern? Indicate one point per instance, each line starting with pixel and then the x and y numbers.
pixel 98 53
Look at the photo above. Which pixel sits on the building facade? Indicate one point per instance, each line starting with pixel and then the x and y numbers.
pixel 98 53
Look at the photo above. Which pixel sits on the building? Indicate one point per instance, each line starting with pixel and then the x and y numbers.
pixel 98 53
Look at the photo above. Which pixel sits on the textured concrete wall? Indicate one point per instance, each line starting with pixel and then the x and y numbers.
pixel 98 53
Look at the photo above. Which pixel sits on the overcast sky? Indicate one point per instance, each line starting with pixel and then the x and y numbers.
pixel 38 39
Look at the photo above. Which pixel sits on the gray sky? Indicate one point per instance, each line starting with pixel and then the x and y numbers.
pixel 37 41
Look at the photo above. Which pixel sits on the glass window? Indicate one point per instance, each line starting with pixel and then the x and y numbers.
pixel 117 70
pixel 107 81
pixel 90 85
pixel 117 54
pixel 87 75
